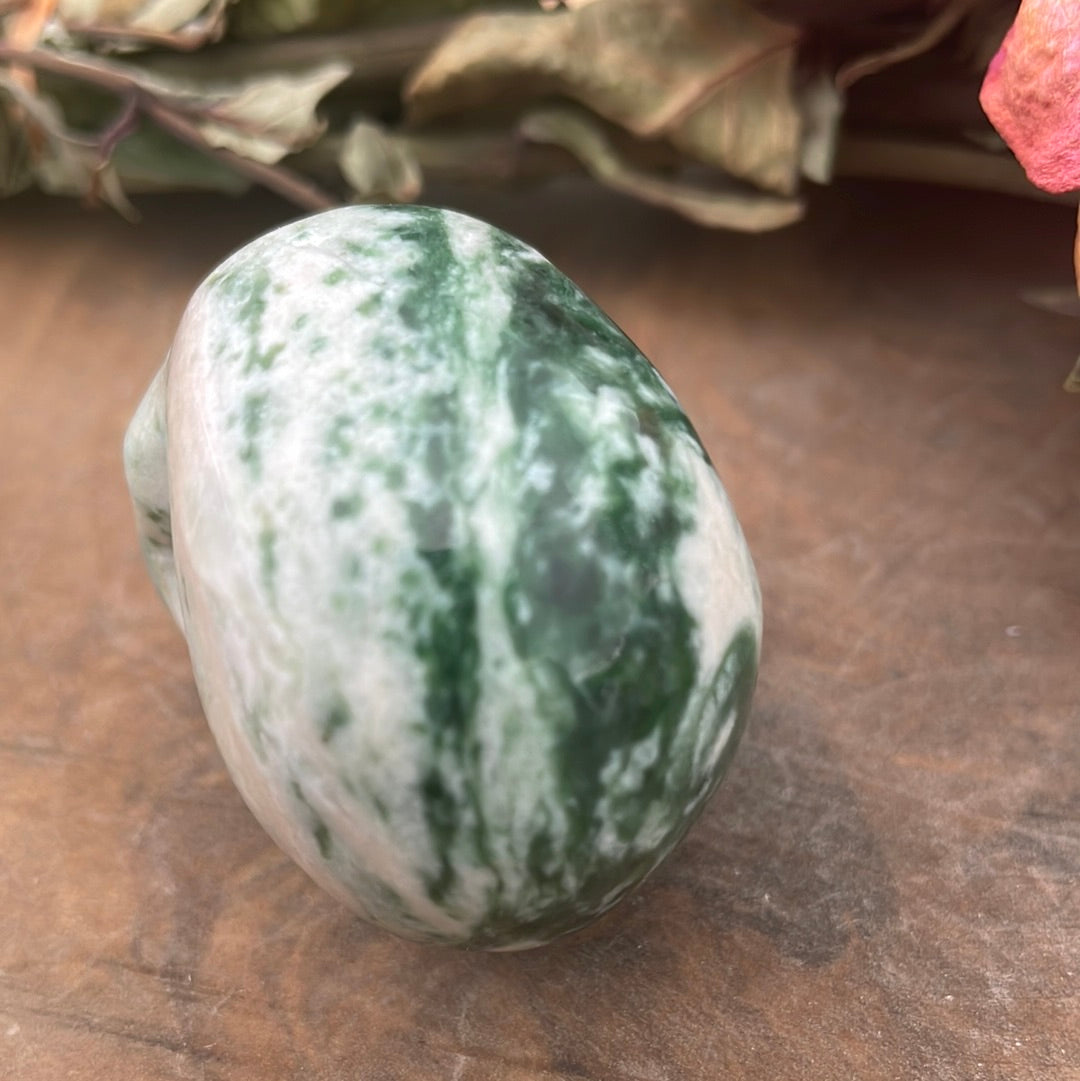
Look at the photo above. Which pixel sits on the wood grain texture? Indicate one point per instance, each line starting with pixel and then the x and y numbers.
pixel 887 886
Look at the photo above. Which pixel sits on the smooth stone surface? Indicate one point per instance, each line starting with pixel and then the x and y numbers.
pixel 470 614
pixel 886 884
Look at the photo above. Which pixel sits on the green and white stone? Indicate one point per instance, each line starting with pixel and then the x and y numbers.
pixel 470 614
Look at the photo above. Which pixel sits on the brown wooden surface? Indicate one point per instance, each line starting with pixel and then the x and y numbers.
pixel 887 886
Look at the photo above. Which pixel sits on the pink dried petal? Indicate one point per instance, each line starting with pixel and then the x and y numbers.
pixel 1031 92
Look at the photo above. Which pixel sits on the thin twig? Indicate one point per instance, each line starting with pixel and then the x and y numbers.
pixel 277 178
pixel 935 31
pixel 125 123
pixel 107 76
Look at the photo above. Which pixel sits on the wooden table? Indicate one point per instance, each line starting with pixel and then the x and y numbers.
pixel 887 885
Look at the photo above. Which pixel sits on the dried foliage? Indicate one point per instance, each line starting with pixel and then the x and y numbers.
pixel 721 110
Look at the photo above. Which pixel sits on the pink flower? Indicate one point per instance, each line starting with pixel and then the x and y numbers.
pixel 1031 92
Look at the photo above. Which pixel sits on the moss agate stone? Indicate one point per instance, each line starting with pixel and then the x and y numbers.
pixel 470 615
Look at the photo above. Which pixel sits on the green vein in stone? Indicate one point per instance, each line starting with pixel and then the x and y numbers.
pixel 732 690
pixel 268 561
pixel 336 716
pixel 319 830
pixel 442 611
pixel 245 287
pixel 346 507
pixel 253 417
pixel 612 657
pixel 339 438
pixel 263 359
pixel 588 580
pixel 159 516
pixel 254 723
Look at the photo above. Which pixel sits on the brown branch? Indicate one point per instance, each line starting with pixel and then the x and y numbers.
pixel 277 178
pixel 126 122
pixel 870 157
pixel 107 76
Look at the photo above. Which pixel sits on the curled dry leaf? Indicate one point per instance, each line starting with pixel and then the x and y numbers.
pixel 1072 380
pixel 822 107
pixel 646 93
pixel 714 79
pixel 65 163
pixel 378 166
pixel 157 16
pixel 748 212
pixel 266 117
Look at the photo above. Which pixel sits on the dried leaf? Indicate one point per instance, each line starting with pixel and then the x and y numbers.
pixel 1057 300
pixel 66 164
pixel 151 160
pixel 1032 92
pixel 264 18
pixel 1072 380
pixel 714 78
pixel 107 186
pixel 377 166
pixel 269 116
pixel 165 16
pixel 25 27
pixel 159 16
pixel 588 142
pixel 822 109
